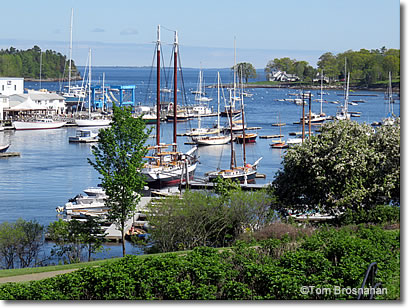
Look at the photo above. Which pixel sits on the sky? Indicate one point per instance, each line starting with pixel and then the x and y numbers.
pixel 123 32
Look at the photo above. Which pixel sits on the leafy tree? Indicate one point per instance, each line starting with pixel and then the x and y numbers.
pixel 20 242
pixel 245 70
pixel 66 236
pixel 30 242
pixel 119 160
pixel 8 244
pixel 26 63
pixel 347 166
pixel 92 235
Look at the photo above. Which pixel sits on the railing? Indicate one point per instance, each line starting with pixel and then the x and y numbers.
pixel 368 282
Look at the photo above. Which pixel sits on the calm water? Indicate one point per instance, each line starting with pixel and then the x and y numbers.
pixel 51 170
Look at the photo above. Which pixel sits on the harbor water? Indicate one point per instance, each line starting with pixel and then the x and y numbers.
pixel 51 170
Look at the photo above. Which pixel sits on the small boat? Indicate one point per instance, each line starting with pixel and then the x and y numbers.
pixel 293 141
pixel 95 192
pixel 39 124
pixel 249 138
pixel 84 136
pixel 212 140
pixel 3 148
pixel 279 144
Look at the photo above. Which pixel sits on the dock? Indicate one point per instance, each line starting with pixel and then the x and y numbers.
pixel 9 154
pixel 271 136
pixel 209 185
pixel 113 234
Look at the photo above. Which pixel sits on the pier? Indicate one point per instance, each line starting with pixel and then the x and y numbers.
pixel 9 154
pixel 113 234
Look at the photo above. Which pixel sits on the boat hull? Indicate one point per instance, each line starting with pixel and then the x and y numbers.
pixel 19 125
pixel 234 176
pixel 248 139
pixel 212 140
pixel 3 148
pixel 160 178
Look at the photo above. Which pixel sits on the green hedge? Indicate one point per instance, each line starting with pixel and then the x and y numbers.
pixel 328 258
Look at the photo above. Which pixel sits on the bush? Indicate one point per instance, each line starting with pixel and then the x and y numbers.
pixel 380 214
pixel 329 258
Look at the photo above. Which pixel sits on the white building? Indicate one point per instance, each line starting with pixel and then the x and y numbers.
pixel 282 76
pixel 11 85
pixel 4 102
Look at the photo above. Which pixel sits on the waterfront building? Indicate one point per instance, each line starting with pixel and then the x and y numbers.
pixel 11 85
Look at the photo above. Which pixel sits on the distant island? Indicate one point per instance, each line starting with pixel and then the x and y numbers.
pixel 28 64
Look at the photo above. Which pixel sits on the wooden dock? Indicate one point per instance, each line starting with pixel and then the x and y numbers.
pixel 271 136
pixel 113 234
pixel 9 154
pixel 209 185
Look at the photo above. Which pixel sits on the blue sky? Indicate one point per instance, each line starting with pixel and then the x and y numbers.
pixel 122 32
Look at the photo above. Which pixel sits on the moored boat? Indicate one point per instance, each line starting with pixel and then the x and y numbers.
pixel 38 124
pixel 3 148
pixel 84 136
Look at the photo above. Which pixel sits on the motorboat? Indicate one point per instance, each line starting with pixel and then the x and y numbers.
pixel 84 136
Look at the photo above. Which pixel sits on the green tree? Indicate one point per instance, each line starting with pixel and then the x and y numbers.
pixel 347 166
pixel 67 239
pixel 30 242
pixel 245 70
pixel 119 160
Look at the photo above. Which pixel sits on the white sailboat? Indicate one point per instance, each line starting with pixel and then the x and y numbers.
pixel 214 140
pixel 390 118
pixel 342 112
pixel 200 94
pixel 74 93
pixel 91 121
pixel 168 168
pixel 245 173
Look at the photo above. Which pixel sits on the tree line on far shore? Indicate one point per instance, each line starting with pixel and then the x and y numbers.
pixel 28 64
pixel 366 67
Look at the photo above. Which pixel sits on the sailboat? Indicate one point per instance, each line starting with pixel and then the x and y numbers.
pixel 168 168
pixel 390 119
pixel 214 140
pixel 75 93
pixel 245 138
pixel 279 143
pixel 342 113
pixel 91 121
pixel 200 94
pixel 230 110
pixel 243 174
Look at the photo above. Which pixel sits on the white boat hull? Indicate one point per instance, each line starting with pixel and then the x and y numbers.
pixel 215 140
pixel 19 125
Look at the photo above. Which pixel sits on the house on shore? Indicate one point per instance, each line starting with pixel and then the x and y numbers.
pixel 282 76
pixel 15 103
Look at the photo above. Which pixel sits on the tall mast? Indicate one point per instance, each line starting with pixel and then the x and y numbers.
pixel 70 52
pixel 232 141
pixel 218 106
pixel 347 94
pixel 243 121
pixel 235 64
pixel 321 94
pixel 158 88
pixel 89 84
pixel 175 90
pixel 103 90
